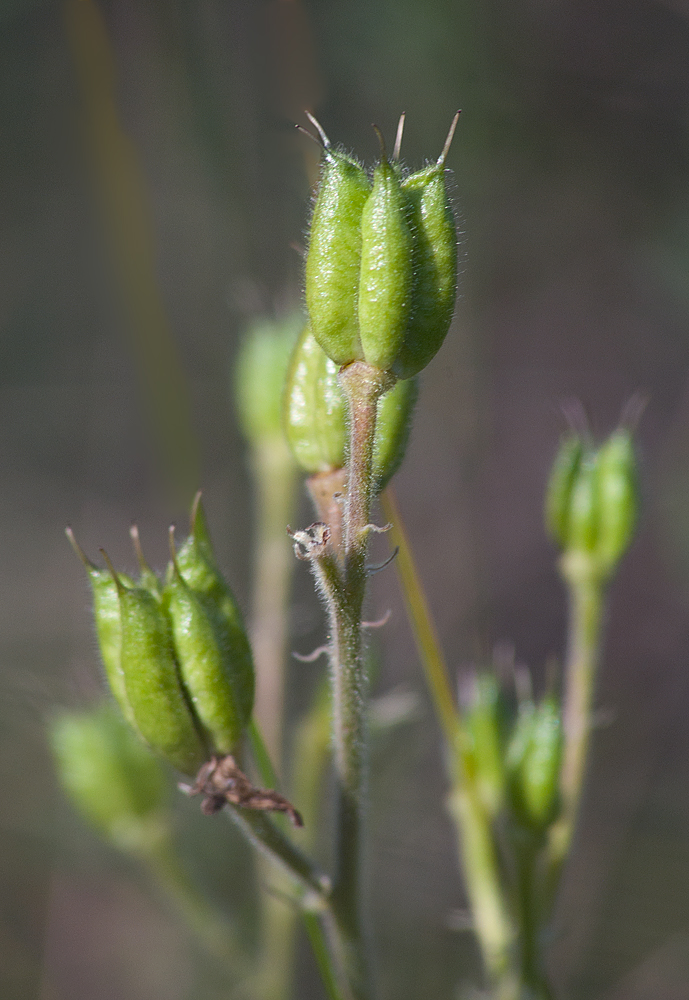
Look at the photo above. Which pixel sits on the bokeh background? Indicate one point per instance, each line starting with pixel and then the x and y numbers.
pixel 151 188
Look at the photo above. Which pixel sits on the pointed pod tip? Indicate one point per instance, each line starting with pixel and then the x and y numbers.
pixel 113 571
pixel 324 140
pixel 78 549
pixel 448 141
pixel 139 552
pixel 381 141
pixel 398 137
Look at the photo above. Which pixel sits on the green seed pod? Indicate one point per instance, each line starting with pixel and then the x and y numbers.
pixel 617 498
pixel 434 262
pixel 484 722
pixel 198 570
pixel 334 255
pixel 314 409
pixel 539 773
pixel 147 578
pixel 208 654
pixel 110 776
pixel 583 521
pixel 106 613
pixel 260 375
pixel 559 490
pixel 315 415
pixel 385 285
pixel 159 705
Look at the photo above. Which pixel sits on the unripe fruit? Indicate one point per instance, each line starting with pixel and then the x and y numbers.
pixel 333 260
pixel 535 758
pixel 559 490
pixel 106 613
pixel 385 286
pixel 159 705
pixel 618 498
pixel 208 655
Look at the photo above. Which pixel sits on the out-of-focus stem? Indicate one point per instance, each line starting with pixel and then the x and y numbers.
pixel 428 645
pixel 586 607
pixel 274 478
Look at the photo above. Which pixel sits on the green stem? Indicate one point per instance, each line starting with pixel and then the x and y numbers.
pixel 362 386
pixel 427 642
pixel 586 605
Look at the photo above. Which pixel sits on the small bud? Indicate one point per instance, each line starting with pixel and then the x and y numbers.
pixel 385 284
pixel 592 501
pixel 110 776
pixel 209 655
pixel 534 760
pixel 195 564
pixel 106 613
pixel 618 498
pixel 559 489
pixel 316 421
pixel 334 256
pixel 484 719
pixel 159 705
pixel 260 375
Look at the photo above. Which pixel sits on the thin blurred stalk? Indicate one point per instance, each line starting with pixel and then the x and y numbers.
pixel 130 233
pixel 493 925
pixel 585 629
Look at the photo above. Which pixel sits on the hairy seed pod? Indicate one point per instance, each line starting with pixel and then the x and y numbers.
pixel 314 408
pixel 559 490
pixel 315 417
pixel 262 362
pixel 539 773
pixel 385 284
pixel 197 567
pixel 582 522
pixel 617 498
pixel 434 263
pixel 208 655
pixel 334 256
pixel 160 708
pixel 106 613
pixel 110 776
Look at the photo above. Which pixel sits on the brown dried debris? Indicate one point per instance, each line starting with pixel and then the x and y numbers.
pixel 220 781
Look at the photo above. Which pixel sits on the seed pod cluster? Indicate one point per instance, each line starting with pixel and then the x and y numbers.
pixel 591 503
pixel 381 268
pixel 315 415
pixel 176 653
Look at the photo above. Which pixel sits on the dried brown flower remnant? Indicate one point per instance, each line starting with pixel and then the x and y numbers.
pixel 220 781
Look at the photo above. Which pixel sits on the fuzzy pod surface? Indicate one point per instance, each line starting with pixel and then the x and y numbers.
pixel 333 260
pixel 559 489
pixel 385 283
pixel 208 654
pixel 618 498
pixel 434 269
pixel 208 598
pixel 159 705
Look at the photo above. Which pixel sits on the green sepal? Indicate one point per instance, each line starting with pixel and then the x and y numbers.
pixel 434 265
pixel 106 614
pixel 583 520
pixel 485 721
pixel 538 776
pixel 198 570
pixel 617 498
pixel 111 777
pixel 162 714
pixel 333 260
pixel 212 661
pixel 559 489
pixel 385 284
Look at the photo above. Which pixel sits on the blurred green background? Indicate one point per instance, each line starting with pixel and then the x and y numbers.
pixel 152 188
